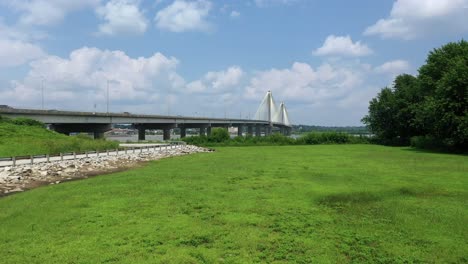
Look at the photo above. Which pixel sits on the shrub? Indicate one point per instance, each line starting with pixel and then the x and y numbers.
pixel 427 142
pixel 219 134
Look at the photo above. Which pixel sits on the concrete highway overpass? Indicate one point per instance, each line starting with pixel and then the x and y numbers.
pixel 71 121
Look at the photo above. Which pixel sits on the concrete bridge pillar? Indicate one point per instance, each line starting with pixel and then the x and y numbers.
pixel 202 131
pixel 97 129
pixel 208 131
pixel 258 131
pixel 141 133
pixel 282 131
pixel 166 134
pixel 183 132
pixel 250 130
pixel 240 129
pixel 98 134
pixel 267 130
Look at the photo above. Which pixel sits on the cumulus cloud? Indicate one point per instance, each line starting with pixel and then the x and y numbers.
pixel 234 14
pixel 330 94
pixel 393 67
pixel 303 83
pixel 16 48
pixel 122 17
pixel 184 15
pixel 411 19
pixel 342 46
pixel 83 76
pixel 46 12
pixel 217 82
pixel 265 3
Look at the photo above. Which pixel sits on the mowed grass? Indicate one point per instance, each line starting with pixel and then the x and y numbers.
pixel 20 140
pixel 299 204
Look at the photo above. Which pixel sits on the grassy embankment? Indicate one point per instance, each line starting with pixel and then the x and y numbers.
pixel 303 204
pixel 26 137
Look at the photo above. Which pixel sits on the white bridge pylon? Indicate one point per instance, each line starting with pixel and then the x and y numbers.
pixel 269 111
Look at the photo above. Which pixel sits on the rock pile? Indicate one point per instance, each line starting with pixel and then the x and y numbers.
pixel 24 177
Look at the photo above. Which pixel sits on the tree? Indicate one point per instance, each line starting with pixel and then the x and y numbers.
pixel 381 119
pixel 444 82
pixel 219 134
pixel 434 104
pixel 391 114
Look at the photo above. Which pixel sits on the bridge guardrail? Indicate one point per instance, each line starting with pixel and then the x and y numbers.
pixel 45 158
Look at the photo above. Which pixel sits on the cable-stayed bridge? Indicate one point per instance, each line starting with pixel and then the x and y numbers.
pixel 268 118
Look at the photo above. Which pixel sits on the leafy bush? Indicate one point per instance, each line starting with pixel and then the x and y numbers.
pixel 219 134
pixel 427 142
pixel 277 139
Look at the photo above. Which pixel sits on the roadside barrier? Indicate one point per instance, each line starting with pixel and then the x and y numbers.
pixel 34 159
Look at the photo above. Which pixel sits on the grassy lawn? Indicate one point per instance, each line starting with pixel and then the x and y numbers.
pixel 20 140
pixel 303 204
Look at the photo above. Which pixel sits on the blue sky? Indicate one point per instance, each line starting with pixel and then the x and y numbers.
pixel 324 59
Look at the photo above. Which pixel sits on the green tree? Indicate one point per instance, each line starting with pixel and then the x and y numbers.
pixel 219 134
pixel 434 104
pixel 444 81
pixel 391 113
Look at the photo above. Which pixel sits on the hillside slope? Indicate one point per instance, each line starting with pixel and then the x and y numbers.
pixel 26 137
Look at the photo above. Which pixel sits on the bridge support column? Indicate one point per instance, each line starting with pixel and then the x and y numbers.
pixel 141 133
pixel 166 134
pixel 202 131
pixel 258 131
pixel 249 130
pixel 97 129
pixel 183 132
pixel 98 134
pixel 208 131
pixel 240 129
pixel 267 130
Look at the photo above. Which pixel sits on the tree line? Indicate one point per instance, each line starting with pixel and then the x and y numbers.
pixel 428 110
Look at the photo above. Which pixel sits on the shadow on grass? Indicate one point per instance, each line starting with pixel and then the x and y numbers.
pixel 432 151
pixel 340 200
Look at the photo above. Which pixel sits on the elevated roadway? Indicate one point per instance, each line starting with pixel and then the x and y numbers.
pixel 95 122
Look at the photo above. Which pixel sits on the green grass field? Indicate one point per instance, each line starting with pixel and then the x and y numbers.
pixel 299 204
pixel 20 140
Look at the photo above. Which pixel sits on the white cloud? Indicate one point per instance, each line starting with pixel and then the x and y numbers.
pixel 331 94
pixel 17 52
pixel 46 12
pixel 82 79
pixel 122 17
pixel 234 14
pixel 15 47
pixel 184 15
pixel 394 67
pixel 265 3
pixel 217 82
pixel 411 19
pixel 302 83
pixel 342 46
